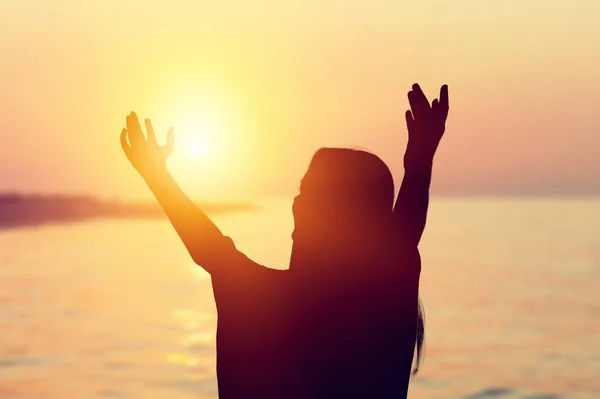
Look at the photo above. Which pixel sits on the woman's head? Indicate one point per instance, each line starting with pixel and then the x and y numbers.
pixel 343 193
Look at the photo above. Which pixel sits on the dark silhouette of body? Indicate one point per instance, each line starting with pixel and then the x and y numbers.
pixel 344 320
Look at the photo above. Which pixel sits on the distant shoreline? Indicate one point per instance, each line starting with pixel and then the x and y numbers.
pixel 30 210
pixel 25 210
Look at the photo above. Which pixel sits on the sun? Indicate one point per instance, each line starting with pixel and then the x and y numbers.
pixel 197 153
pixel 211 131
pixel 195 136
pixel 197 149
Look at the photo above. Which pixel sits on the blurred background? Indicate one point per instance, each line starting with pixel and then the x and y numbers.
pixel 98 298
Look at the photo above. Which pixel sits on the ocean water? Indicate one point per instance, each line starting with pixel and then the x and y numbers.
pixel 116 309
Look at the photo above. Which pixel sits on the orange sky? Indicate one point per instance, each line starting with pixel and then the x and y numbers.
pixel 271 81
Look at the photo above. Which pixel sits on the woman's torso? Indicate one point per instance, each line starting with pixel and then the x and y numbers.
pixel 358 332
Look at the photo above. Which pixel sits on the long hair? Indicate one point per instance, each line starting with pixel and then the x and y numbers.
pixel 360 180
pixel 420 341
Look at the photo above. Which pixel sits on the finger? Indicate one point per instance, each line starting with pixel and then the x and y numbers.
pixel 125 143
pixel 410 123
pixel 435 105
pixel 418 101
pixel 444 101
pixel 170 144
pixel 416 105
pixel 150 132
pixel 136 136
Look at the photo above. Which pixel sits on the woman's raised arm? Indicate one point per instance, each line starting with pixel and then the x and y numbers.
pixel 426 125
pixel 206 244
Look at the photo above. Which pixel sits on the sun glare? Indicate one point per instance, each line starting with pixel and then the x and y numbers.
pixel 195 136
pixel 196 148
pixel 209 143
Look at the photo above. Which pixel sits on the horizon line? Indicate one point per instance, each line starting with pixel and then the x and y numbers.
pixel 252 198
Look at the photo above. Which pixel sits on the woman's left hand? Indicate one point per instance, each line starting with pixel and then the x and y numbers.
pixel 426 123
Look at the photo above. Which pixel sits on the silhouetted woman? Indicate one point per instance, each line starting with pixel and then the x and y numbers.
pixel 344 320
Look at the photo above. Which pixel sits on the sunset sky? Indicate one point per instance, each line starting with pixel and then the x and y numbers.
pixel 253 88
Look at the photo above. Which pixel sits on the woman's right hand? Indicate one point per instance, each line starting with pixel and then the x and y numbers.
pixel 146 156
